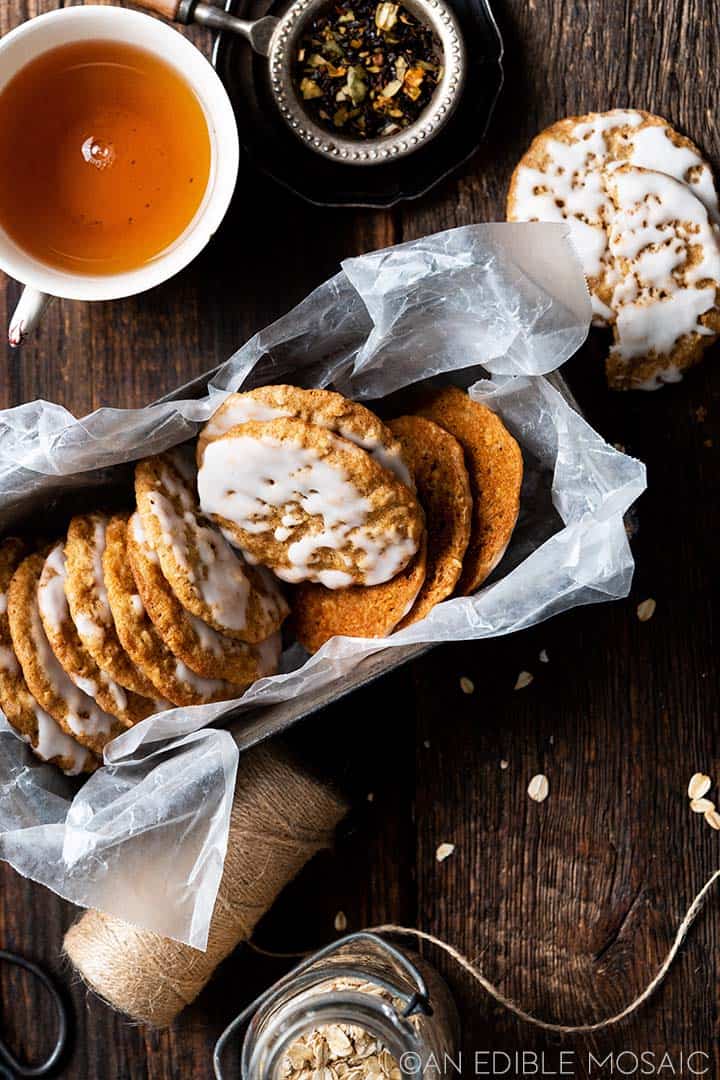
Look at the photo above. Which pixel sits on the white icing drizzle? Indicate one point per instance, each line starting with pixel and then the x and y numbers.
pixel 87 628
pixel 658 232
pixel 137 605
pixel 83 716
pixel 8 661
pixel 51 589
pixel 571 187
pixel 53 742
pixel 3 603
pixel 208 639
pixel 245 480
pixel 55 610
pixel 205 688
pixel 98 549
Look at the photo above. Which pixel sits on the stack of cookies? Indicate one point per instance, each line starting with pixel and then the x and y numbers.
pixel 365 525
pixel 372 523
pixel 126 616
pixel 642 207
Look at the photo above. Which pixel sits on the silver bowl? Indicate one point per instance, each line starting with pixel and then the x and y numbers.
pixel 438 17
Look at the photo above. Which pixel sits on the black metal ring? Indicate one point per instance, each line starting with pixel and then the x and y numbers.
pixel 10 1066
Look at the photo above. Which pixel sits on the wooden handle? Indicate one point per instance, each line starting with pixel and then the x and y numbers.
pixel 167 8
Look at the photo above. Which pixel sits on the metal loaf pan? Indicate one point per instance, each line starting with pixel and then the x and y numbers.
pixel 262 723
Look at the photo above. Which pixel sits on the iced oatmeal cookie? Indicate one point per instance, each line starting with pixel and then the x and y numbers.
pixel 199 646
pixel 359 611
pixel 667 274
pixel 210 579
pixel 495 468
pixel 170 675
pixel 65 642
pixel 89 607
pixel 560 178
pixel 76 713
pixel 323 408
pixel 308 504
pixel 437 462
pixel 36 727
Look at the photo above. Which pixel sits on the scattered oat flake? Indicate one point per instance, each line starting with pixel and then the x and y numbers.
pixel 707 443
pixel 524 679
pixel 699 785
pixel 701 414
pixel 371 796
pixel 543 657
pixel 701 806
pixel 504 763
pixel 713 819
pixel 539 788
pixel 444 851
pixel 341 922
pixel 426 744
pixel 467 685
pixel 646 610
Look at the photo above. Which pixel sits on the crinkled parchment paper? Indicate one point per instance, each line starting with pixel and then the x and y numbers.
pixel 145 837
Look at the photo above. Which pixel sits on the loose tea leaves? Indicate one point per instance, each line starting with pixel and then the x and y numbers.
pixel 367 69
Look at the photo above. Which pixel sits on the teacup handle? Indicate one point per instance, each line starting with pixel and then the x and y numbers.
pixel 27 315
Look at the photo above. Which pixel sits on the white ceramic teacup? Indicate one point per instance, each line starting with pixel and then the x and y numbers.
pixel 43 282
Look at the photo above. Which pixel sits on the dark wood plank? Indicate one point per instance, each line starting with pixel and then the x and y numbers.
pixel 568 905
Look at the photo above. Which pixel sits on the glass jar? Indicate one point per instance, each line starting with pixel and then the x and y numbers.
pixel 397 1007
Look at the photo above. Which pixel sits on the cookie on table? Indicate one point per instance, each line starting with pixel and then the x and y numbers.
pixel 203 649
pixel 667 268
pixel 308 504
pixel 210 579
pixel 323 408
pixel 560 178
pixel 76 713
pixel 495 469
pixel 127 707
pixel 359 611
pixel 437 462
pixel 171 677
pixel 89 607
pixel 36 727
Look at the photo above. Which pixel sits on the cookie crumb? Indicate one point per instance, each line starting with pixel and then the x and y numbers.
pixel 467 685
pixel 504 763
pixel 524 679
pixel 341 922
pixel 444 851
pixel 543 657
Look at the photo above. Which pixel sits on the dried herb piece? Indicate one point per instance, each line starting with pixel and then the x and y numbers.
pixel 366 69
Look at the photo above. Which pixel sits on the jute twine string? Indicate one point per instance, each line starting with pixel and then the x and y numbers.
pixel 564 1029
pixel 280 818
pixel 391 930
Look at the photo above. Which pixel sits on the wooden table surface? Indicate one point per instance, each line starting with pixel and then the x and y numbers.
pixel 568 906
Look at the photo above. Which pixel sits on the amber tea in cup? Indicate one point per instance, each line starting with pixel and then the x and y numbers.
pixel 105 157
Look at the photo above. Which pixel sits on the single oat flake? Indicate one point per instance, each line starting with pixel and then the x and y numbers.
pixel 713 819
pixel 699 785
pixel 444 851
pixel 467 685
pixel 341 922
pixel 543 657
pixel 524 679
pixel 701 806
pixel 646 610
pixel 539 788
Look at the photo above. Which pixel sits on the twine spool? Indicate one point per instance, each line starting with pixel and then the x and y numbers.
pixel 280 818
